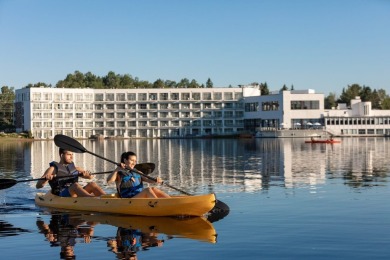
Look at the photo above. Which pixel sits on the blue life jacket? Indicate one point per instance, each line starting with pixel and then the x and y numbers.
pixel 131 184
pixel 59 184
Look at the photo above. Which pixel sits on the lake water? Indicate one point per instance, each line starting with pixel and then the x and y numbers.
pixel 288 200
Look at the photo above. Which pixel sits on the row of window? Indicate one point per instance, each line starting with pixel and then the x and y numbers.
pixel 365 131
pixel 358 121
pixel 210 114
pixel 135 96
pixel 65 106
pixel 209 123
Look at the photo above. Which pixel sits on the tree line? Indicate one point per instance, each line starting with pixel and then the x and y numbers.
pixel 118 81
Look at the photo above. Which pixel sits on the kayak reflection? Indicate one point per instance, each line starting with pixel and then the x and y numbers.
pixel 134 233
pixel 63 230
pixel 139 233
pixel 197 228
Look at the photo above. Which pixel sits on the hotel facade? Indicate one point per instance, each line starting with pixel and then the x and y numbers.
pixel 140 113
pixel 176 113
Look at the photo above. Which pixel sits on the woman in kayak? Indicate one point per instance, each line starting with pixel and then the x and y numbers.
pixel 69 186
pixel 129 183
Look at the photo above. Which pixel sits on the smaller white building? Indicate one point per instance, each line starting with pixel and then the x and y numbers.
pixel 295 109
pixel 358 120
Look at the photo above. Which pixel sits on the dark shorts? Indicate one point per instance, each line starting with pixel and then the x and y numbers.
pixel 64 193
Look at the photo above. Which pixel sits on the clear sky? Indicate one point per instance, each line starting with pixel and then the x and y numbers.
pixel 324 45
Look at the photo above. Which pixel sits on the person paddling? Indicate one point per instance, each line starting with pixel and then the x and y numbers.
pixel 68 187
pixel 129 183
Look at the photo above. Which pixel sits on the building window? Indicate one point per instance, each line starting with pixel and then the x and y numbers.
pixel 301 104
pixel 121 106
pixel 175 96
pixel 163 96
pixel 207 96
pixel 270 106
pixel 142 96
pixel 110 97
pixel 131 97
pixel 228 96
pixel 217 96
pixel 196 96
pixel 251 107
pixel 185 96
pixel 99 97
pixel 120 97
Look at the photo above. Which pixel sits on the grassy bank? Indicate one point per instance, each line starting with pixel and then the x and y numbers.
pixel 12 137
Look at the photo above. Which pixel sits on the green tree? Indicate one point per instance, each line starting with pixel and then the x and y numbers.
pixel 92 81
pixel 351 92
pixel 385 104
pixel 365 93
pixel 126 81
pixel 330 100
pixel 193 84
pixel 7 97
pixel 284 88
pixel 170 84
pixel 38 85
pixel 209 83
pixel 111 80
pixel 159 84
pixel 375 100
pixel 184 83
pixel 264 89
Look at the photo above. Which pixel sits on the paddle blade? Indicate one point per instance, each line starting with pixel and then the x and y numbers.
pixel 69 144
pixel 146 168
pixel 7 183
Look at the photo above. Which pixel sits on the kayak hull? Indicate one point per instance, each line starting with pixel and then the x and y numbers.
pixel 197 205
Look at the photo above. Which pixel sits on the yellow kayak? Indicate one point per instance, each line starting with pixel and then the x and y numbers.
pixel 196 205
pixel 197 228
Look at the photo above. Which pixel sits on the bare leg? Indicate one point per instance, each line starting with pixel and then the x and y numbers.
pixel 159 193
pixel 76 190
pixel 146 193
pixel 92 187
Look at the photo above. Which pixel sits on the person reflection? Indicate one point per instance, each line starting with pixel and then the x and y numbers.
pixel 129 241
pixel 63 230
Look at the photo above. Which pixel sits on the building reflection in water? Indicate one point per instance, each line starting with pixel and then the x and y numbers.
pixel 232 165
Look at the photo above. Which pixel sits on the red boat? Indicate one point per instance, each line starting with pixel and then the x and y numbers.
pixel 326 141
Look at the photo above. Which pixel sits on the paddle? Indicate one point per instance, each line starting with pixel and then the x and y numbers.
pixel 8 183
pixel 70 144
pixel 146 168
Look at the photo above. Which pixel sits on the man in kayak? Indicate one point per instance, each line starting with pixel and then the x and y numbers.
pixel 129 183
pixel 68 187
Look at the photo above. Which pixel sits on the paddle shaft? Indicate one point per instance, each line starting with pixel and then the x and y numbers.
pixel 140 173
pixel 8 183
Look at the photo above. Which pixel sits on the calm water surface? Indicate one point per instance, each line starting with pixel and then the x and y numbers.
pixel 288 200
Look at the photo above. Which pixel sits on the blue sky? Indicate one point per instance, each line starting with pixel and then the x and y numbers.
pixel 324 45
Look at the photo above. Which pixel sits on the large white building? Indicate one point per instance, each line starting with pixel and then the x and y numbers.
pixel 156 113
pixel 149 113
